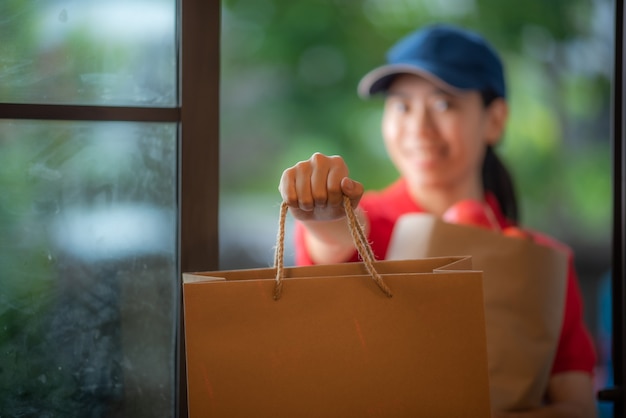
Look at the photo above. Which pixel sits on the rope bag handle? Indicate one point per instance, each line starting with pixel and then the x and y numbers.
pixel 358 237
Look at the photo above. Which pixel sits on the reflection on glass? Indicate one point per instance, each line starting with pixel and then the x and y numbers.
pixel 99 52
pixel 88 269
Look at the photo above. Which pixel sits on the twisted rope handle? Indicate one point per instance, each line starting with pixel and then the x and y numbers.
pixel 358 237
pixel 279 254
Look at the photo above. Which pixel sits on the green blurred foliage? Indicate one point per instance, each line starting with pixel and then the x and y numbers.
pixel 26 293
pixel 290 70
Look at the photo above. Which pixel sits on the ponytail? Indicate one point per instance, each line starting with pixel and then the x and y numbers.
pixel 497 180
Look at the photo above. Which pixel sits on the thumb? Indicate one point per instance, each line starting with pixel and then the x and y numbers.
pixel 352 189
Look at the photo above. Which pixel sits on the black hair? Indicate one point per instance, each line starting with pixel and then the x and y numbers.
pixel 495 176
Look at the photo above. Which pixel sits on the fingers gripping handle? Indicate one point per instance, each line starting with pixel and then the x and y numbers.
pixel 358 237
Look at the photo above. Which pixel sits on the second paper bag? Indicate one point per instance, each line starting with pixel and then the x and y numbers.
pixel 524 290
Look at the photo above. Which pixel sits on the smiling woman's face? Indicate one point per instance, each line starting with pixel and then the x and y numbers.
pixel 437 139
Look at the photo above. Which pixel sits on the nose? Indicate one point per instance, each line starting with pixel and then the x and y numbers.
pixel 420 124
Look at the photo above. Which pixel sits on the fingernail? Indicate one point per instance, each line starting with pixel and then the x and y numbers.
pixel 349 185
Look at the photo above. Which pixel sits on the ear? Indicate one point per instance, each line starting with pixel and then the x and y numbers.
pixel 497 114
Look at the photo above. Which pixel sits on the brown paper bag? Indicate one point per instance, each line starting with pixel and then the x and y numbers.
pixel 524 290
pixel 329 341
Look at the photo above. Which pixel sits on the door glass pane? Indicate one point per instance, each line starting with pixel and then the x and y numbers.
pixel 88 269
pixel 96 52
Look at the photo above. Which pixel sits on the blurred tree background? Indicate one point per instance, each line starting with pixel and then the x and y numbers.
pixel 289 76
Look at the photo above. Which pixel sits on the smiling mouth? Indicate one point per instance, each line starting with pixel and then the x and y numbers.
pixel 425 158
pixel 425 153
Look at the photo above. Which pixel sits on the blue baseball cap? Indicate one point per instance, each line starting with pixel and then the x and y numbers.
pixel 456 59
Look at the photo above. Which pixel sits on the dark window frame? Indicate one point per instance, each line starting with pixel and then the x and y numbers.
pixel 199 60
pixel 616 394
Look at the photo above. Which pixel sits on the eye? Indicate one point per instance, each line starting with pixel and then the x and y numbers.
pixel 396 103
pixel 441 104
pixel 399 106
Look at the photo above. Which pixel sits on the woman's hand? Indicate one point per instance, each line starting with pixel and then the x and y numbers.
pixel 570 395
pixel 314 189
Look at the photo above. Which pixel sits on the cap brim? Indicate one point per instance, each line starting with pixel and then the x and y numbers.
pixel 379 79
